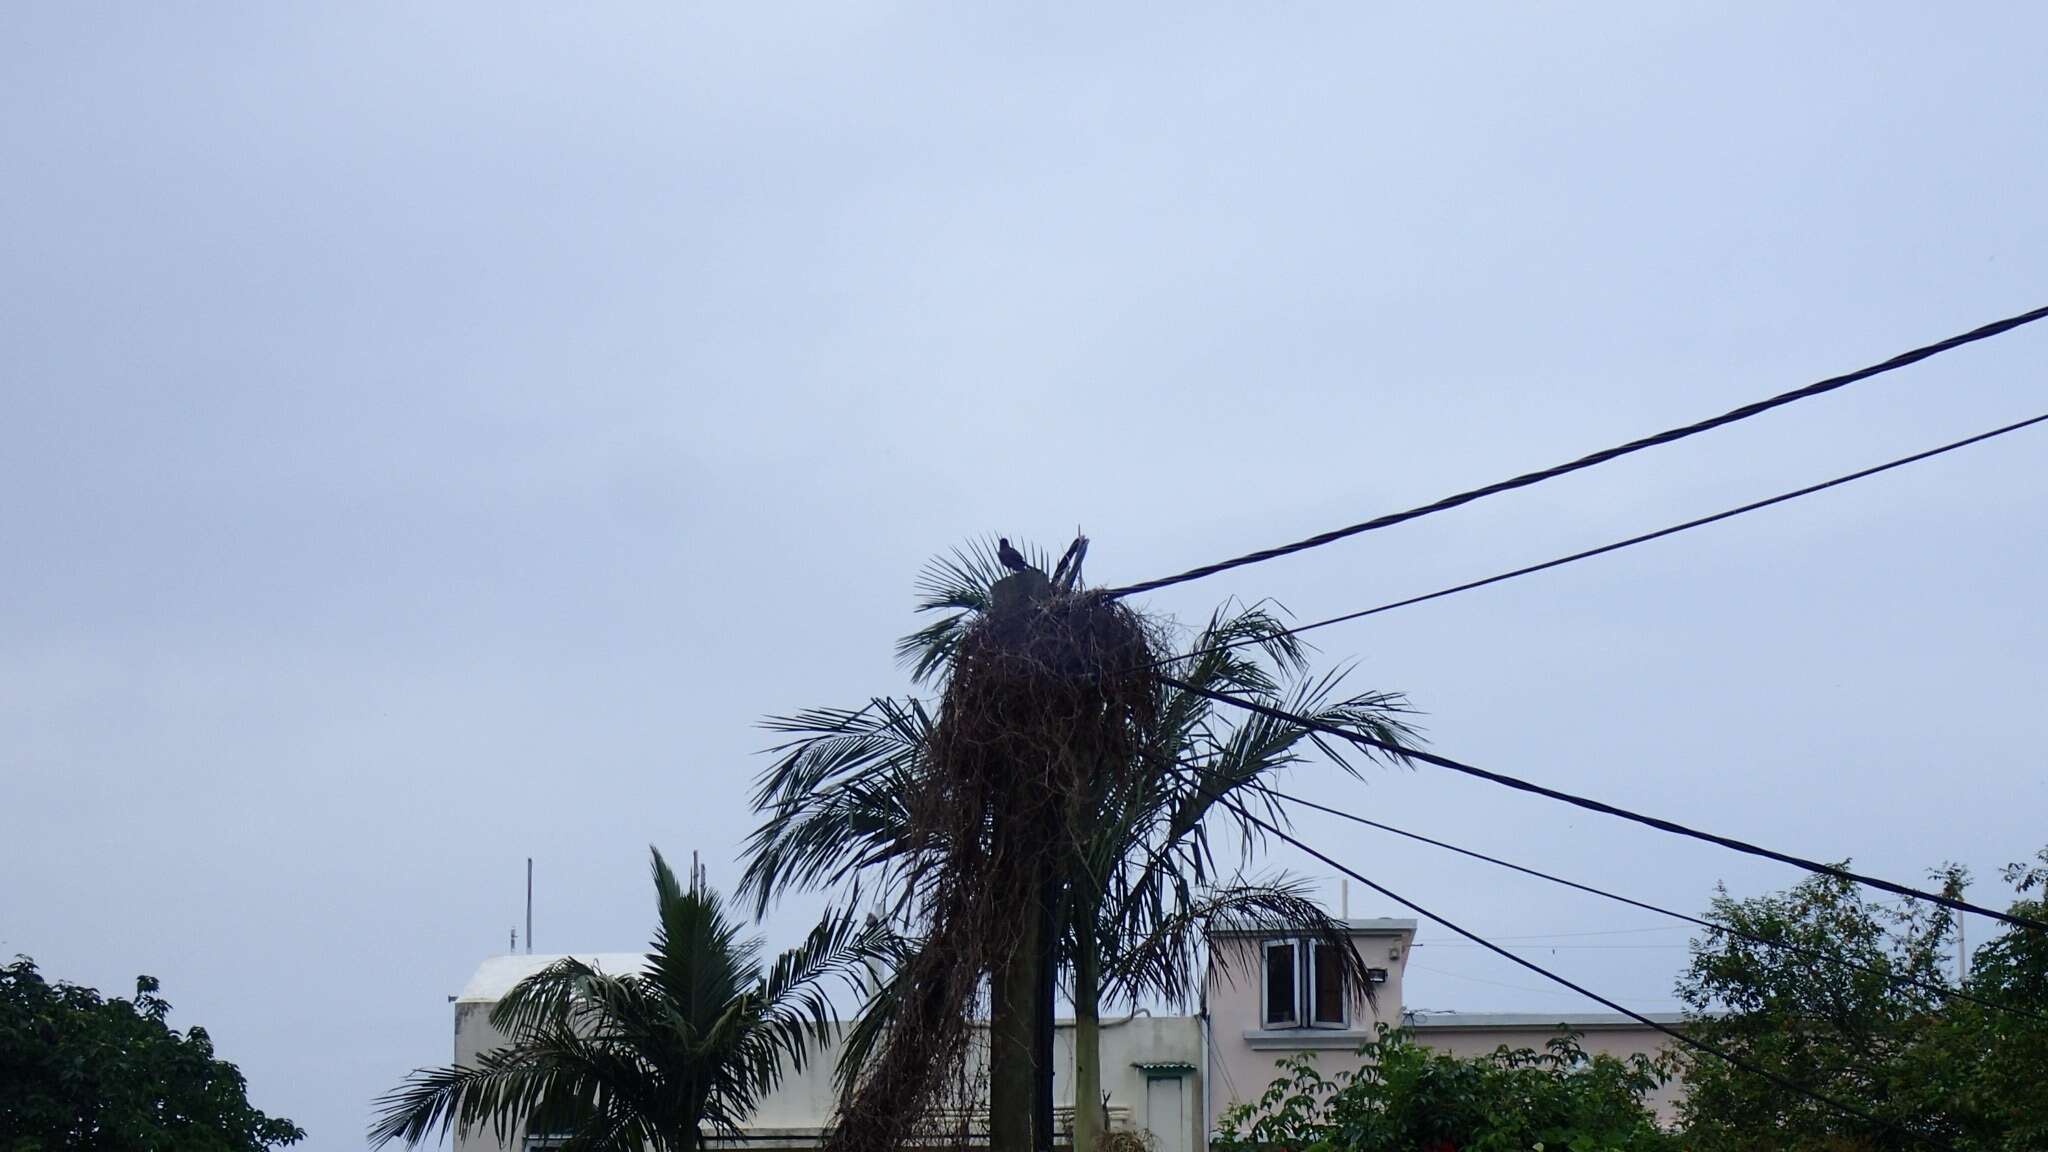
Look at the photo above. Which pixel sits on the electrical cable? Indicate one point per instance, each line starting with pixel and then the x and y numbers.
pixel 1592 805
pixel 1526 479
pixel 1603 549
pixel 1686 1039
pixel 1793 947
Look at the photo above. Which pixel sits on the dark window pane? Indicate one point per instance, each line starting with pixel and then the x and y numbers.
pixel 1280 999
pixel 1329 989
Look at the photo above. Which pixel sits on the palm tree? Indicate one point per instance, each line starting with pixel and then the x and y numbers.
pixel 621 1062
pixel 1145 885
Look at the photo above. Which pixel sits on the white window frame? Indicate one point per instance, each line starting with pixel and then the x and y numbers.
pixel 1308 990
pixel 1294 963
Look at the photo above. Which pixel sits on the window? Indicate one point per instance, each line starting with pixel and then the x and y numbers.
pixel 1327 1007
pixel 1282 1007
pixel 1302 984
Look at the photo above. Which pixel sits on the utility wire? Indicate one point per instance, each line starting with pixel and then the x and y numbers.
pixel 1686 1039
pixel 1743 413
pixel 1616 546
pixel 1576 947
pixel 1591 805
pixel 1791 946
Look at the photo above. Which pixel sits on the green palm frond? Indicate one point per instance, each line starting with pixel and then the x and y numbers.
pixel 551 994
pixel 698 960
pixel 841 949
pixel 652 1059
pixel 617 1129
pixel 958 583
pixel 1152 856
pixel 832 743
pixel 493 1093
pixel 1161 955
pixel 1227 650
pixel 1259 745
pixel 879 1012
pixel 836 799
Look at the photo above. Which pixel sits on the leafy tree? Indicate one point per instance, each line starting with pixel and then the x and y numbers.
pixel 1927 1068
pixel 1995 1062
pixel 1408 1098
pixel 1144 882
pixel 81 1072
pixel 622 1062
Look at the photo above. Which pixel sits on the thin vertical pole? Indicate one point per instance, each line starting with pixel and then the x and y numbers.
pixel 1048 977
pixel 529 905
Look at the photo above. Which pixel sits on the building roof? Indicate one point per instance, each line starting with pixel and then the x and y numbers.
pixel 1420 1019
pixel 1368 926
pixel 496 976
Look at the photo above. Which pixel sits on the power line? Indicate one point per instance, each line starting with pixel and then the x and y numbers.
pixel 1794 947
pixel 1743 413
pixel 1686 1039
pixel 1616 546
pixel 1577 948
pixel 1591 805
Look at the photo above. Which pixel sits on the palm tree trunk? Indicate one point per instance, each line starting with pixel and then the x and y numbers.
pixel 1090 1119
pixel 1013 1042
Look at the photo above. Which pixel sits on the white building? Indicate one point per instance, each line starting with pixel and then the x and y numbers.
pixel 1266 998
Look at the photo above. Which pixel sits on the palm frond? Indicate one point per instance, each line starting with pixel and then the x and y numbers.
pixel 958 583
pixel 836 801
pixel 545 996
pixel 616 1129
pixel 1152 855
pixel 893 999
pixel 631 1061
pixel 500 1090
pixel 698 961
pixel 794 1005
pixel 1164 958
pixel 1259 745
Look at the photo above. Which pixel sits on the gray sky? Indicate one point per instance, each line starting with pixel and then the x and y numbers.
pixel 434 436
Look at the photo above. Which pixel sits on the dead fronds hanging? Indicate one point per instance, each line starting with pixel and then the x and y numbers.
pixel 1046 689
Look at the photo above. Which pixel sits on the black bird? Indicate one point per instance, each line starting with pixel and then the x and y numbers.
pixel 1011 558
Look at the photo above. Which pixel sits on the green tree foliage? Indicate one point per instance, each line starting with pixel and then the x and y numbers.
pixel 78 1071
pixel 1408 1098
pixel 626 1062
pixel 1932 1070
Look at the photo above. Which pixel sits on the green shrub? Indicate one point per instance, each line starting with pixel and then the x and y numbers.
pixel 1408 1098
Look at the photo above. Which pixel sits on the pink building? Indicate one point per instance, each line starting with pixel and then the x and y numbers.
pixel 1270 996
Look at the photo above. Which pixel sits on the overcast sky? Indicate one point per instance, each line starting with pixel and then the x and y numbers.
pixel 434 435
